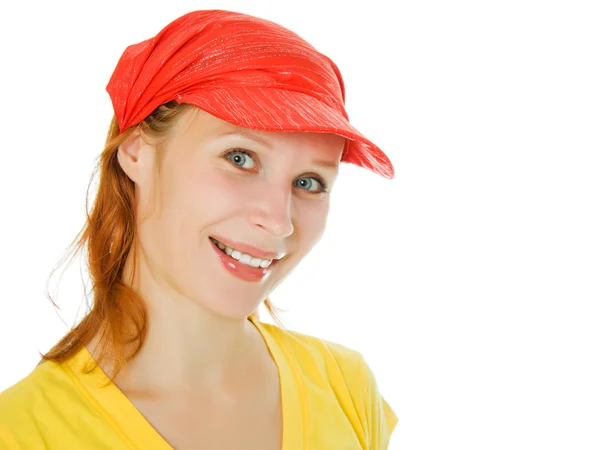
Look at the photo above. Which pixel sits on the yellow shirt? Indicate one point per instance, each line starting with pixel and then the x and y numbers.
pixel 329 396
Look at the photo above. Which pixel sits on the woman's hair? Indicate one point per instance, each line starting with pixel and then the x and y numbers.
pixel 109 234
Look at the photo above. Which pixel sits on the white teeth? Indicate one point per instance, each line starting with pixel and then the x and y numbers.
pixel 254 262
pixel 244 258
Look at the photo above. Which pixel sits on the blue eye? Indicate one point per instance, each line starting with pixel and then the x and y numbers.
pixel 311 184
pixel 241 158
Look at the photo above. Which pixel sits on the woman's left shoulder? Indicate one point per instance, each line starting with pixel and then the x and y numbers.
pixel 347 373
pixel 312 350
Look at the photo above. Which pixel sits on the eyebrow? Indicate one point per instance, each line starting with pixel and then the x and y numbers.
pixel 251 136
pixel 246 135
pixel 325 164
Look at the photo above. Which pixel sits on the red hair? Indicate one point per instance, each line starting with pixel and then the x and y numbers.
pixel 108 236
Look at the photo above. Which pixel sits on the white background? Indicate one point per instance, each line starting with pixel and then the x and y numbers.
pixel 470 282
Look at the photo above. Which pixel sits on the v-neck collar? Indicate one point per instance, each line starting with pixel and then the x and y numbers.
pixel 293 404
pixel 135 430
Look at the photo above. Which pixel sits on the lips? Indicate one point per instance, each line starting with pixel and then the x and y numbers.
pixel 249 249
pixel 239 269
pixel 244 258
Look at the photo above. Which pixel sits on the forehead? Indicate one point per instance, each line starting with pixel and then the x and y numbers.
pixel 206 125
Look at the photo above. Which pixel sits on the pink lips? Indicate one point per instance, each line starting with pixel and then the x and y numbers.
pixel 240 270
pixel 249 249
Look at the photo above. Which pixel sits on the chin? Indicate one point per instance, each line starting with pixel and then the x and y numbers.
pixel 228 288
pixel 227 300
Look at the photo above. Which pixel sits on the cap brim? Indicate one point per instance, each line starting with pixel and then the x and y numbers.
pixel 272 109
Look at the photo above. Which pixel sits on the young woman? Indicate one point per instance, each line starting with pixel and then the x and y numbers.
pixel 214 184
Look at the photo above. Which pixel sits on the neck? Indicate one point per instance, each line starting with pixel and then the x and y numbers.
pixel 187 348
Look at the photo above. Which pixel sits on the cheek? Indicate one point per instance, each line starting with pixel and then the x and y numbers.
pixel 310 221
pixel 207 196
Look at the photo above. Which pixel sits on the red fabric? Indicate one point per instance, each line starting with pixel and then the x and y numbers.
pixel 242 69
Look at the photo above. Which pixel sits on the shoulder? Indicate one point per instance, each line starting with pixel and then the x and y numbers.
pixel 22 404
pixel 43 402
pixel 344 371
pixel 312 351
pixel 29 390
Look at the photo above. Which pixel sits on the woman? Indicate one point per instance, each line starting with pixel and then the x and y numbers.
pixel 214 184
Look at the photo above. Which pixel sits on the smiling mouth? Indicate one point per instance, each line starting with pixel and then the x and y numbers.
pixel 243 258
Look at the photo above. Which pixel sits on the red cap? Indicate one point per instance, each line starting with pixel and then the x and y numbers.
pixel 244 70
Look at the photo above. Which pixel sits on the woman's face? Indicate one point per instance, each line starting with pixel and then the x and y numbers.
pixel 236 209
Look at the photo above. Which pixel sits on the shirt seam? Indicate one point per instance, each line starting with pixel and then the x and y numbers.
pixel 292 363
pixel 92 400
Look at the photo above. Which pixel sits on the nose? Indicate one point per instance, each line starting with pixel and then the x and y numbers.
pixel 272 211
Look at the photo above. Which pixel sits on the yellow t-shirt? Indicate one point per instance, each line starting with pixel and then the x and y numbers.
pixel 329 396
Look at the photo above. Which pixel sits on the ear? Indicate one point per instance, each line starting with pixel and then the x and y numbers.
pixel 135 157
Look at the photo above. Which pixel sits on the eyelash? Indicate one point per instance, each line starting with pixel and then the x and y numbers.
pixel 321 181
